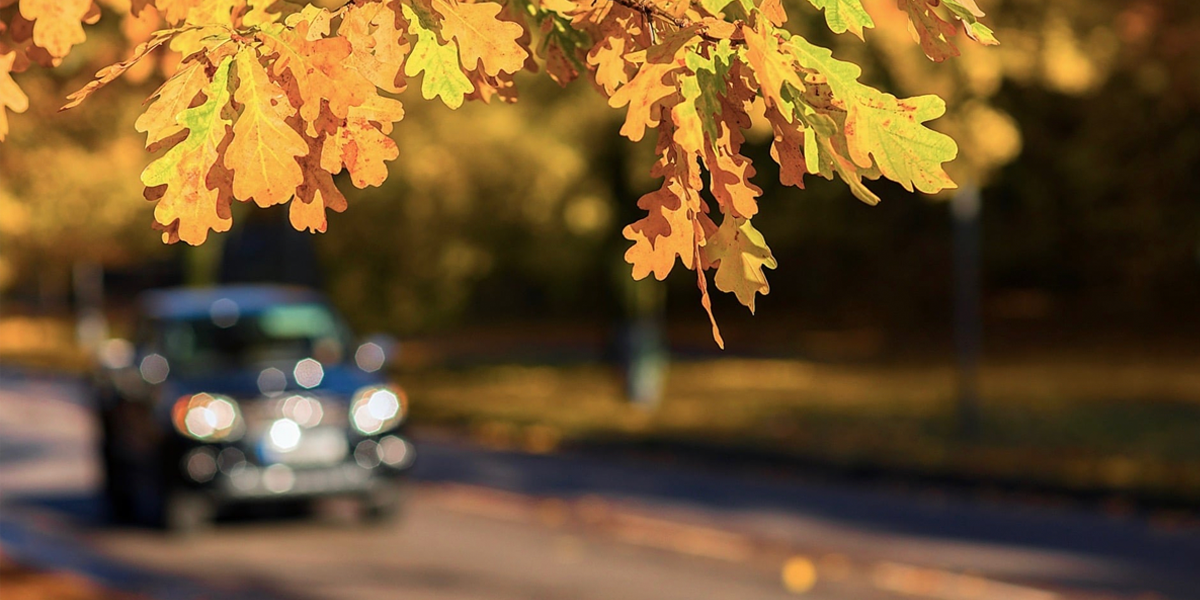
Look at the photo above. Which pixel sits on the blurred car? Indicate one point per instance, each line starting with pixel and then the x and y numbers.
pixel 246 394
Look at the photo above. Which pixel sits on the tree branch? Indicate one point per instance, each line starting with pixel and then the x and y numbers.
pixel 650 9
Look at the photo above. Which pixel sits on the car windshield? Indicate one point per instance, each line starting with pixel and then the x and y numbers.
pixel 226 339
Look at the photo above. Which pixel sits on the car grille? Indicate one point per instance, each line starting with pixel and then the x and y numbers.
pixel 307 409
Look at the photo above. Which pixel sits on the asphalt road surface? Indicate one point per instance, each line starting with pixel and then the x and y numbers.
pixel 489 524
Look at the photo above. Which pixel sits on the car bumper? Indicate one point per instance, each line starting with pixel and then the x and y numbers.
pixel 280 480
pixel 231 474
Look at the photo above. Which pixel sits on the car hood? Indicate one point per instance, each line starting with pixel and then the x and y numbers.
pixel 338 380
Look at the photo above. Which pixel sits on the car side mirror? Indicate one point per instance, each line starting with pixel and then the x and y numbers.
pixel 376 351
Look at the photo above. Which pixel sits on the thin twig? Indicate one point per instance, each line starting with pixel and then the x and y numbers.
pixel 649 8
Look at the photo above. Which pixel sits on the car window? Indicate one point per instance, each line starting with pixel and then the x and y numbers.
pixel 283 332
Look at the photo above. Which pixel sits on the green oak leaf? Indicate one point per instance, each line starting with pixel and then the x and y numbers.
pixel 845 15
pixel 443 77
pixel 881 126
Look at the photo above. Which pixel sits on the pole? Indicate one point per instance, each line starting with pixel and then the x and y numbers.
pixel 965 211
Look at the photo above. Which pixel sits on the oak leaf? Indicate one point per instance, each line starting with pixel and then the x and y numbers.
pixel 318 68
pixel 740 253
pixel 57 24
pixel 787 150
pixel 880 126
pixel 443 77
pixel 189 206
pixel 376 34
pixel 845 15
pixel 772 67
pixel 361 144
pixel 482 38
pixel 11 96
pixel 110 73
pixel 318 193
pixel 644 95
pixel 666 232
pixel 262 154
pixel 932 31
pixel 176 94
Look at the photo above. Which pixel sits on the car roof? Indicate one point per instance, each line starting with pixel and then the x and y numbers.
pixel 187 303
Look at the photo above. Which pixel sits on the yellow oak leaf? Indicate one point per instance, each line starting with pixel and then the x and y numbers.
pixel 11 96
pixel 482 38
pixel 176 11
pixel 203 19
pixel 57 24
pixel 263 151
pixel 740 253
pixel 192 203
pixel 772 67
pixel 176 94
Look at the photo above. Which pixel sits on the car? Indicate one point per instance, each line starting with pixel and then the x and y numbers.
pixel 246 394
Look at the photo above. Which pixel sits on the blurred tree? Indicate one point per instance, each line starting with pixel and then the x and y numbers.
pixel 271 99
pixel 1093 211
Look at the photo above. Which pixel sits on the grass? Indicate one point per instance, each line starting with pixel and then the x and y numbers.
pixel 1080 424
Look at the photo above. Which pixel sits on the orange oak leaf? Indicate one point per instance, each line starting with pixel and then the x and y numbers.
pixel 609 54
pixel 262 154
pixel 482 38
pixel 57 24
pixel 787 150
pixel 318 68
pixel 666 232
pixel 361 143
pixel 730 174
pixel 644 95
pixel 318 193
pixel 376 34
pixel 706 302
pixel 933 32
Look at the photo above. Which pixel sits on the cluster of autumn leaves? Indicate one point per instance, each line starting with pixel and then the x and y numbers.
pixel 271 99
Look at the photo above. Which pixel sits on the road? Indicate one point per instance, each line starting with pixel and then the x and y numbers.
pixel 490 524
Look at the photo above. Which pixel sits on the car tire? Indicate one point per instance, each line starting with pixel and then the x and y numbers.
pixel 385 503
pixel 117 490
pixel 186 513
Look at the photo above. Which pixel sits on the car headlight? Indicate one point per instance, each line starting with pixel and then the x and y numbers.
pixel 376 409
pixel 207 417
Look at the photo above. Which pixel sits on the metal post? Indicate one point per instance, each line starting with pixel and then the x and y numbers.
pixel 965 211
pixel 91 326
